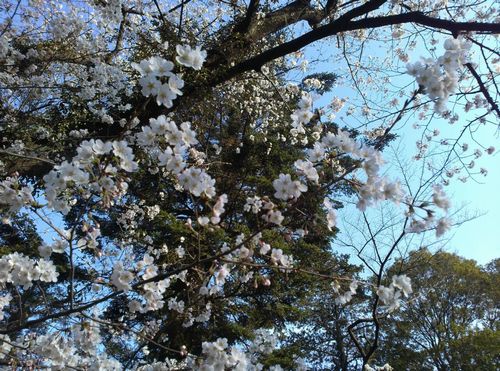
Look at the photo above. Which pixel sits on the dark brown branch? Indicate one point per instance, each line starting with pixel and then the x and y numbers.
pixel 178 6
pixel 345 23
pixel 299 10
pixel 119 38
pixel 8 153
pixel 160 12
pixel 252 9
pixel 484 90
pixel 381 140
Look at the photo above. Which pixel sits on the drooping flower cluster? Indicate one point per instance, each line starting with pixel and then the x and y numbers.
pixel 162 131
pixel 197 182
pixel 439 78
pixel 331 216
pixel 301 115
pixel 153 70
pixel 441 225
pixel 121 277
pixel 374 188
pixel 153 292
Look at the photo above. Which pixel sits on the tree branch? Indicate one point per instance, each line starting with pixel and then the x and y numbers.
pixel 484 90
pixel 345 23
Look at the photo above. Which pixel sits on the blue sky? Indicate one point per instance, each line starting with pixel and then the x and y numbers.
pixel 477 238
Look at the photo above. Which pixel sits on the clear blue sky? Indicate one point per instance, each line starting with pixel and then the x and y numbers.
pixel 478 238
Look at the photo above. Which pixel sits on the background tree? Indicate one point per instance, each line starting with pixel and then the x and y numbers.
pixel 322 338
pixel 453 322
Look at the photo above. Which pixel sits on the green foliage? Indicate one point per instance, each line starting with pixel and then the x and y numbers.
pixel 452 324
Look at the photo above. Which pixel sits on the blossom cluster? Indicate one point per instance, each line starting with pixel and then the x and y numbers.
pixel 345 297
pixel 13 195
pixel 302 115
pixel 286 188
pixel 256 204
pixel 218 355
pixel 391 295
pixel 4 301
pixel 78 351
pixel 439 78
pixel 374 188
pixel 156 69
pixel 64 65
pixel 217 211
pixel 385 367
pixel 163 131
pixel 21 270
pixel 94 170
pixel 152 70
pixel 442 225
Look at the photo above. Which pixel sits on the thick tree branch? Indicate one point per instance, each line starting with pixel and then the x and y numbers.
pixel 344 24
pixel 252 9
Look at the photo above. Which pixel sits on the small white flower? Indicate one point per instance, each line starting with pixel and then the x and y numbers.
pixel 189 57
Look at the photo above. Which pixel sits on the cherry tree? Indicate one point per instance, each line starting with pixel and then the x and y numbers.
pixel 171 180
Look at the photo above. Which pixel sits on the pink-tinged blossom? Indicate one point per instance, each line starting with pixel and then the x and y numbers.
pixel 439 198
pixel 443 226
pixel 274 217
